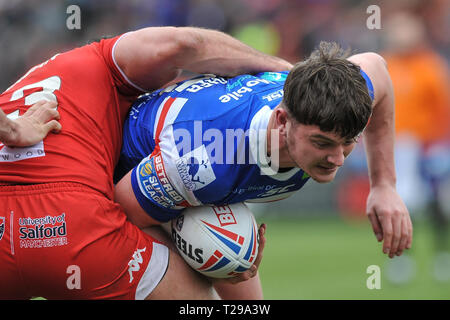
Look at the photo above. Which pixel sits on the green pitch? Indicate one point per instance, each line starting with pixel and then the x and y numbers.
pixel 328 259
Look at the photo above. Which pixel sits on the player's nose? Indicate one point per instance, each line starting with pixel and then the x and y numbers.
pixel 337 157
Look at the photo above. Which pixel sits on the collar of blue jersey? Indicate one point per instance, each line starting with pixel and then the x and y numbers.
pixel 368 84
pixel 372 96
pixel 258 146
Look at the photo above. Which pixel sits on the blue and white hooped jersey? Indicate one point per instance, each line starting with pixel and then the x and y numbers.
pixel 203 142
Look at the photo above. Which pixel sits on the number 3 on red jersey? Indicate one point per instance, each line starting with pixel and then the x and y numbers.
pixel 48 86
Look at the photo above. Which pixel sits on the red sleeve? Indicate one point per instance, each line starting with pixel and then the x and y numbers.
pixel 123 84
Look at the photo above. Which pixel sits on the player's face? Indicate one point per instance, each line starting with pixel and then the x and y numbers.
pixel 318 153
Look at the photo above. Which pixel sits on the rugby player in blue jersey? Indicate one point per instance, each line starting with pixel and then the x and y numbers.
pixel 199 142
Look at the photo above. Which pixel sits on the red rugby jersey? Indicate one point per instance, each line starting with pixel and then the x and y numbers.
pixel 93 99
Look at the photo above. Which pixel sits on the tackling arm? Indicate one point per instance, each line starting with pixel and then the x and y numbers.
pixel 124 194
pixel 31 127
pixel 152 57
pixel 387 213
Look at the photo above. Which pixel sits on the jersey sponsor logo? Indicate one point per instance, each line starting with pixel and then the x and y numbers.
pixel 183 171
pixel 164 180
pixel 195 85
pixel 2 227
pixel 205 83
pixel 274 76
pixel 146 170
pixel 224 215
pixel 240 92
pixel 276 190
pixel 267 190
pixel 41 90
pixel 195 169
pixel 155 184
pixel 8 154
pixel 134 265
pixel 252 189
pixel 141 102
pixel 274 95
pixel 43 232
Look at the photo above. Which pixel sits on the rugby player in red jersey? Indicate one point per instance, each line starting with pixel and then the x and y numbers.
pixel 62 236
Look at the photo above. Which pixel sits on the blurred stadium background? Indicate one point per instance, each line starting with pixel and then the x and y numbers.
pixel 319 242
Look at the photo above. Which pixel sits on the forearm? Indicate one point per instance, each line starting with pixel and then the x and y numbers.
pixel 155 56
pixel 124 195
pixel 379 138
pixel 380 132
pixel 219 53
pixel 246 290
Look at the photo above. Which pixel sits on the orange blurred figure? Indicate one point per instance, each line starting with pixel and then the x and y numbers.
pixel 421 81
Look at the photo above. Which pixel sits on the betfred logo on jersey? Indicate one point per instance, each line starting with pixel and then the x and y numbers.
pixel 162 176
pixel 224 215
pixel 155 184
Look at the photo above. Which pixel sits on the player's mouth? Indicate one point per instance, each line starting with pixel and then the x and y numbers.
pixel 327 169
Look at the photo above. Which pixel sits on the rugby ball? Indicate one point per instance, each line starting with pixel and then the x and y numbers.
pixel 218 242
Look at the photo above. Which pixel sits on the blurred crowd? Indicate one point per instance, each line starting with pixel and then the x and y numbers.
pixel 32 30
pixel 413 37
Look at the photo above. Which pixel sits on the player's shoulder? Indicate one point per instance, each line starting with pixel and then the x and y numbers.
pixel 277 77
pixel 87 61
pixel 242 93
pixel 217 101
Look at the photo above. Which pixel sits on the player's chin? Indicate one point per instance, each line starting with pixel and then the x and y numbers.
pixel 323 175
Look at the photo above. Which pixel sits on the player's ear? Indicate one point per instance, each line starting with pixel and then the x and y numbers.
pixel 281 119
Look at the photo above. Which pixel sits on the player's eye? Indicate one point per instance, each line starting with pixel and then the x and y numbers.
pixel 350 142
pixel 321 144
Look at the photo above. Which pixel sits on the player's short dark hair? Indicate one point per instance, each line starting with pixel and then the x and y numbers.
pixel 329 91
